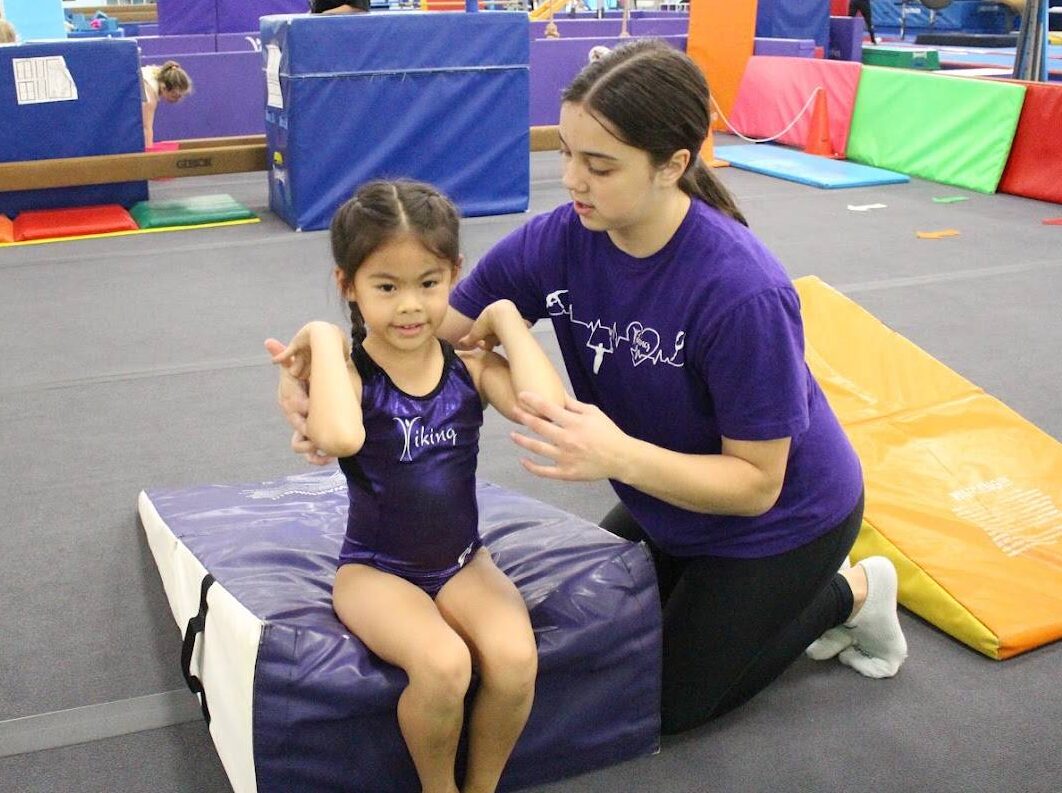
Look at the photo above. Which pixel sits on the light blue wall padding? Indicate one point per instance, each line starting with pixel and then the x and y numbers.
pixel 36 19
pixel 796 166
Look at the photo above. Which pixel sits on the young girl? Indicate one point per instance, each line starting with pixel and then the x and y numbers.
pixel 168 82
pixel 402 411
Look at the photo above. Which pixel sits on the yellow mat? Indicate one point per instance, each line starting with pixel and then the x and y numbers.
pixel 963 494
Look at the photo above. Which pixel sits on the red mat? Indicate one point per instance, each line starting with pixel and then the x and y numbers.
pixel 43 224
pixel 1034 168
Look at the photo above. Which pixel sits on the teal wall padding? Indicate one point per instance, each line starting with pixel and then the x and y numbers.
pixel 953 130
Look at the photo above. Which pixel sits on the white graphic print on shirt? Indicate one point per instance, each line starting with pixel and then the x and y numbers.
pixel 644 342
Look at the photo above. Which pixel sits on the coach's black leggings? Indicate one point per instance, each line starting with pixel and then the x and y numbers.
pixel 731 626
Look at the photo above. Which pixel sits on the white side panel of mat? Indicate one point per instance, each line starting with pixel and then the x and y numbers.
pixel 227 651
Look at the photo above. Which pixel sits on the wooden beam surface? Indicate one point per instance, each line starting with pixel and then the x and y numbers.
pixel 142 12
pixel 112 168
pixel 545 138
pixel 194 157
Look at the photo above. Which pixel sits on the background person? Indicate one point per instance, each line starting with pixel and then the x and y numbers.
pixel 339 6
pixel 169 83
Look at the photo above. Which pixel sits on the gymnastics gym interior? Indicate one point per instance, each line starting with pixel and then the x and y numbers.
pixel 166 560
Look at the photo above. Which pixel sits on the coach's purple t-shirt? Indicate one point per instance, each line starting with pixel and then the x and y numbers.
pixel 702 339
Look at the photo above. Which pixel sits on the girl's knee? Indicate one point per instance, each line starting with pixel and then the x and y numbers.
pixel 444 672
pixel 510 666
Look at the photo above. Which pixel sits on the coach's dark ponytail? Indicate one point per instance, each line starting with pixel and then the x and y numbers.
pixel 653 97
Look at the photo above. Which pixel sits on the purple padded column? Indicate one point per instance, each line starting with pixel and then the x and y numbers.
pixel 846 39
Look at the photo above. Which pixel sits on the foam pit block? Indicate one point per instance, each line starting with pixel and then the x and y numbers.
pixel 286 684
pixel 809 169
pixel 951 130
pixel 962 493
pixel 7 229
pixel 189 211
pixel 774 89
pixel 43 224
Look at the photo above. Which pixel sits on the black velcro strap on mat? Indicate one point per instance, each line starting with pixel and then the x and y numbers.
pixel 195 626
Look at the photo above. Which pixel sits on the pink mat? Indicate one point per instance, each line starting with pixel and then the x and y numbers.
pixel 775 88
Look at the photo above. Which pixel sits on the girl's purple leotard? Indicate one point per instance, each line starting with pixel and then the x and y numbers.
pixel 412 486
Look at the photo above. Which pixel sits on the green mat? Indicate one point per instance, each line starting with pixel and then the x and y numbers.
pixel 952 130
pixel 189 211
pixel 904 58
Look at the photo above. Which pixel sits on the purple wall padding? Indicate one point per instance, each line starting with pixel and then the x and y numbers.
pixel 187 16
pixel 152 46
pixel 241 16
pixel 324 705
pixel 239 42
pixel 555 62
pixel 220 16
pixel 228 98
pixel 578 28
pixel 593 28
pixel 793 48
pixel 846 39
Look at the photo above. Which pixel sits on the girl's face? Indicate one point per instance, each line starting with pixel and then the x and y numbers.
pixel 171 95
pixel 403 291
pixel 614 186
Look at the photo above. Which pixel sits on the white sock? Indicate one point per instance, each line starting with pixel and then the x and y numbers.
pixel 834 640
pixel 878 646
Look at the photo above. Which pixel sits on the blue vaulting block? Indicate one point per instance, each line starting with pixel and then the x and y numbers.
pixel 439 97
pixel 70 99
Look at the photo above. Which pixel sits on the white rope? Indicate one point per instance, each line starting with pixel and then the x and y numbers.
pixel 791 124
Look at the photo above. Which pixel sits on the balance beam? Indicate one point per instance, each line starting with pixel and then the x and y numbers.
pixel 195 157
pixel 143 12
pixel 202 158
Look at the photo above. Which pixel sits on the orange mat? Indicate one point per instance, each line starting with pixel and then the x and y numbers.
pixel 720 41
pixel 7 229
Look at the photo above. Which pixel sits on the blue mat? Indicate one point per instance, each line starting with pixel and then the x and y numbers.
pixel 796 166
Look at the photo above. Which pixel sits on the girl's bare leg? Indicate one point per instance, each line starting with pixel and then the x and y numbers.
pixel 401 624
pixel 485 608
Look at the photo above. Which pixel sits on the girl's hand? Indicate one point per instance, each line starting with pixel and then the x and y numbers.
pixel 583 443
pixel 296 357
pixel 294 400
pixel 486 331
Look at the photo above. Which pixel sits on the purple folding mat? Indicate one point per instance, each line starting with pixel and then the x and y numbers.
pixel 298 703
